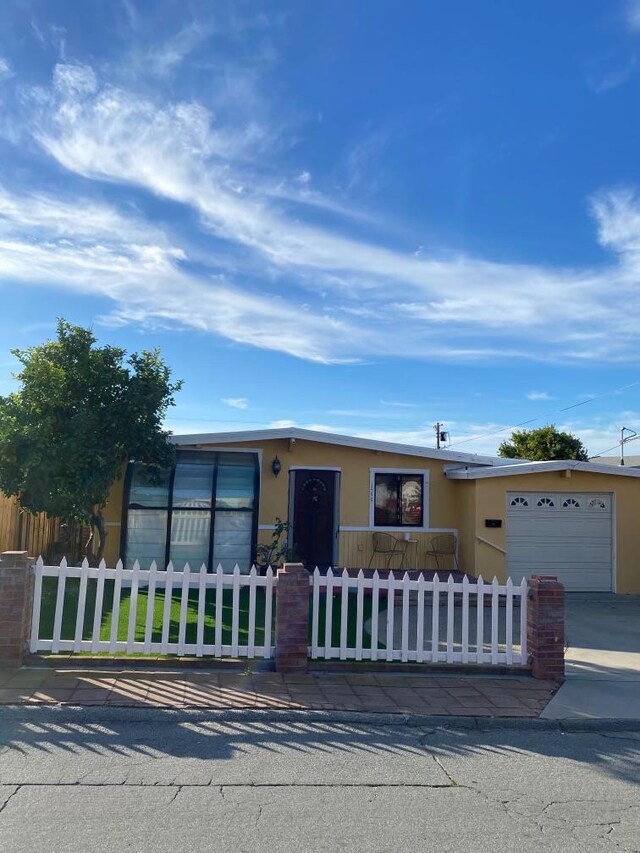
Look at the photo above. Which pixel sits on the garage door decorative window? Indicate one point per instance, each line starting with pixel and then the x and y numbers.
pixel 519 502
pixel 546 502
pixel 571 503
pixel 597 503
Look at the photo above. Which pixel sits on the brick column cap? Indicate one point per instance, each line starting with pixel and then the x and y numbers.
pixel 16 558
pixel 292 568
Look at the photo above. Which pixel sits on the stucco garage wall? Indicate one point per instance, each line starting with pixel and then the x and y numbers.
pixel 491 502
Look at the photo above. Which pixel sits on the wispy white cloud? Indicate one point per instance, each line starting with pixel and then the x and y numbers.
pixel 235 402
pixel 273 264
pixel 5 69
pixel 538 395
pixel 399 403
pixel 165 58
pixel 632 15
pixel 605 81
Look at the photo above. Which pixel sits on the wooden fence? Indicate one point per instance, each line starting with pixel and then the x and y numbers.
pixel 22 531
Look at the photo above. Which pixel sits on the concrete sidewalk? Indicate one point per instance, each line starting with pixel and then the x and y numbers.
pixel 396 693
pixel 602 659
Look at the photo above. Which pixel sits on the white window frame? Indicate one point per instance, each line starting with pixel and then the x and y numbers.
pixel 421 472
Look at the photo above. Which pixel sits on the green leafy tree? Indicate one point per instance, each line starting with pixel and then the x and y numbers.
pixel 80 413
pixel 543 443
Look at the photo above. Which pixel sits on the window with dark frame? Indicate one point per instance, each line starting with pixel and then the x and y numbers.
pixel 202 511
pixel 398 500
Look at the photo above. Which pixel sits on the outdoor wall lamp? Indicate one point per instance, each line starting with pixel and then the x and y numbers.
pixel 276 466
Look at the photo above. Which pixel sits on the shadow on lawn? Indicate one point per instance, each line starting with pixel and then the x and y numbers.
pixel 64 735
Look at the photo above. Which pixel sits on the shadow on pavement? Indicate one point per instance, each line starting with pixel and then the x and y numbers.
pixel 59 735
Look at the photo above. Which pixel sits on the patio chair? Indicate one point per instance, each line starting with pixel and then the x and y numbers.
pixel 441 546
pixel 390 546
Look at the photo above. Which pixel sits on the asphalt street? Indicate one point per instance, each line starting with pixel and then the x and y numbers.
pixel 96 779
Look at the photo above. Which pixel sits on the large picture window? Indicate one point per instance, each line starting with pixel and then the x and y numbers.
pixel 202 511
pixel 398 499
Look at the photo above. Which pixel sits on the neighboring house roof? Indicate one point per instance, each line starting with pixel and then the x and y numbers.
pixel 629 461
pixel 540 468
pixel 343 440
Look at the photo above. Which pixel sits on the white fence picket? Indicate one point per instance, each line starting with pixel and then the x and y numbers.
pixel 404 648
pixel 57 619
pixel 495 602
pixel 344 614
pixel 508 637
pixel 202 604
pixel 97 613
pixel 391 602
pixel 37 603
pixel 359 615
pixel 435 620
pixel 315 613
pixel 464 639
pixel 251 637
pixel 184 608
pixel 420 621
pixel 480 587
pixel 524 599
pixel 115 608
pixel 375 614
pixel 450 617
pixel 268 590
pixel 328 624
pixel 133 607
pixel 166 609
pixel 82 603
pixel 151 605
pixel 219 602
pixel 235 611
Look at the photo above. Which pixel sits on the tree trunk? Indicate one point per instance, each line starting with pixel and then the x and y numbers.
pixel 97 525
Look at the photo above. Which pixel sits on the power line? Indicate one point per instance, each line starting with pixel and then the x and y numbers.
pixel 541 417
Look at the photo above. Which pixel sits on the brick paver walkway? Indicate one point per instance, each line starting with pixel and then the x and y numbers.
pixel 446 695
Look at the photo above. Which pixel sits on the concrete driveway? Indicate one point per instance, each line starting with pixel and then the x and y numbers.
pixel 602 659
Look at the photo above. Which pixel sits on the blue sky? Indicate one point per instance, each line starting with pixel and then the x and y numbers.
pixel 360 216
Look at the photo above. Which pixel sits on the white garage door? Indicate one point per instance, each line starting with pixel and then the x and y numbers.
pixel 567 534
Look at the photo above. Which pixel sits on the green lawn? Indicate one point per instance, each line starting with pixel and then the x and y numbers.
pixel 47 612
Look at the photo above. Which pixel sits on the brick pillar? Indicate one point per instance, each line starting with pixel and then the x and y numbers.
pixel 292 618
pixel 545 627
pixel 16 606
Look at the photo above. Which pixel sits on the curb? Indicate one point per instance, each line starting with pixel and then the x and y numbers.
pixel 92 713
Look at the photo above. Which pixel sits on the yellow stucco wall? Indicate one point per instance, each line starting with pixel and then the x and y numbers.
pixel 354 545
pixel 462 505
pixel 355 464
pixel 490 501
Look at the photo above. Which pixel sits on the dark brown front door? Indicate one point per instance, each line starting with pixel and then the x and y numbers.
pixel 314 517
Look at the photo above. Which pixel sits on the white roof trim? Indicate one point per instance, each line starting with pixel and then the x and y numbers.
pixel 332 438
pixel 540 468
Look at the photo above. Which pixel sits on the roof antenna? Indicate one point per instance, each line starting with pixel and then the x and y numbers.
pixel 624 438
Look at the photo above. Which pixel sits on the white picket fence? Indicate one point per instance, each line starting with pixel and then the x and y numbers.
pixel 174 587
pixel 423 621
pixel 436 621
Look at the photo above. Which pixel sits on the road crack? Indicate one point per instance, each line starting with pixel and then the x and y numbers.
pixel 11 795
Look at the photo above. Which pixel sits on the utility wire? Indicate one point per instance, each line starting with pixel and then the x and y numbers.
pixel 548 414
